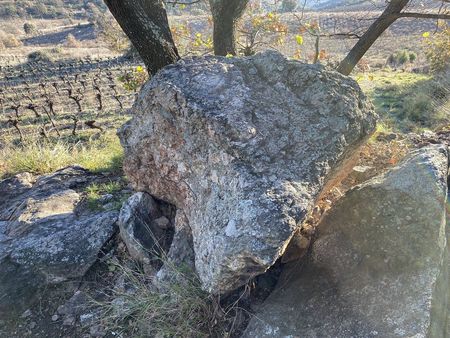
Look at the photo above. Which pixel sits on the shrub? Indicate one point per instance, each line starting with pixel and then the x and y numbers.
pixel 38 10
pixel 438 49
pixel 402 57
pixel 408 101
pixel 133 80
pixel 29 28
pixel 289 5
pixel 418 108
pixel 8 10
pixel 111 33
pixel 72 42
pixel 10 41
pixel 39 56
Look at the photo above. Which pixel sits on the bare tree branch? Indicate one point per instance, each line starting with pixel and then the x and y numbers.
pixel 422 15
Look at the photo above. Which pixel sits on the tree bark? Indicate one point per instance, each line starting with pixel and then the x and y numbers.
pixel 317 49
pixel 390 14
pixel 146 25
pixel 225 14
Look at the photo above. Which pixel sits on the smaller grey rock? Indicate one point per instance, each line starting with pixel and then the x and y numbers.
pixel 97 331
pixel 387 137
pixel 361 168
pixel 144 226
pixel 362 173
pixel 105 198
pixel 26 314
pixel 163 222
pixel 69 321
pixel 109 206
pixel 75 305
pixel 119 306
pixel 88 318
pixel 55 318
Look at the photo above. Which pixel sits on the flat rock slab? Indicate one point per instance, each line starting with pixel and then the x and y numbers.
pixel 379 265
pixel 46 236
pixel 242 147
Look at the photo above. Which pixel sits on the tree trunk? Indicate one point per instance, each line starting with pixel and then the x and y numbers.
pixel 225 14
pixel 388 17
pixel 146 25
pixel 224 36
pixel 317 50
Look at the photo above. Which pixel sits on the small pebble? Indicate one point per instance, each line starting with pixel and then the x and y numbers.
pixel 69 321
pixel 55 318
pixel 26 314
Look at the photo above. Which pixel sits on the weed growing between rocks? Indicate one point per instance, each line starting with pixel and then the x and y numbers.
pixel 138 304
pixel 107 195
pixel 141 307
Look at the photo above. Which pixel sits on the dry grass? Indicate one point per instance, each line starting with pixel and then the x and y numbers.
pixel 143 307
pixel 40 156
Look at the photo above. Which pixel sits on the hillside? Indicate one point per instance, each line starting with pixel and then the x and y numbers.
pixel 49 9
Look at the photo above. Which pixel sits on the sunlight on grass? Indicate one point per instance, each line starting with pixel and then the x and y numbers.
pixel 40 157
pixel 408 101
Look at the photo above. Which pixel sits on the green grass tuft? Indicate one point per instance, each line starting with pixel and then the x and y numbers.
pixel 95 191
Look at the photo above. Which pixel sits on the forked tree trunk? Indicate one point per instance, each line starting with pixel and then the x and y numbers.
pixel 225 14
pixel 146 25
pixel 390 14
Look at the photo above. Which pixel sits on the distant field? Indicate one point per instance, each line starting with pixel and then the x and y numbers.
pixel 47 98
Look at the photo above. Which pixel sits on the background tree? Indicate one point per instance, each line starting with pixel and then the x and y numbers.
pixel 225 15
pixel 289 5
pixel 392 12
pixel 146 25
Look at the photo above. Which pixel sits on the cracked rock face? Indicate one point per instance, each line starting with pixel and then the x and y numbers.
pixel 45 236
pixel 242 147
pixel 379 267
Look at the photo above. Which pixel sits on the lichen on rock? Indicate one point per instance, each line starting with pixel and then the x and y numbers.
pixel 242 147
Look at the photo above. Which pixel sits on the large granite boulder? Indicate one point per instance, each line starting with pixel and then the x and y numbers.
pixel 47 236
pixel 379 267
pixel 242 147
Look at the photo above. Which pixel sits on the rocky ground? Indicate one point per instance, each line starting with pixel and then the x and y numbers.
pixel 54 237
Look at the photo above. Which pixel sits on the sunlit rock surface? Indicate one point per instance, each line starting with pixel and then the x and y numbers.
pixel 242 147
pixel 47 236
